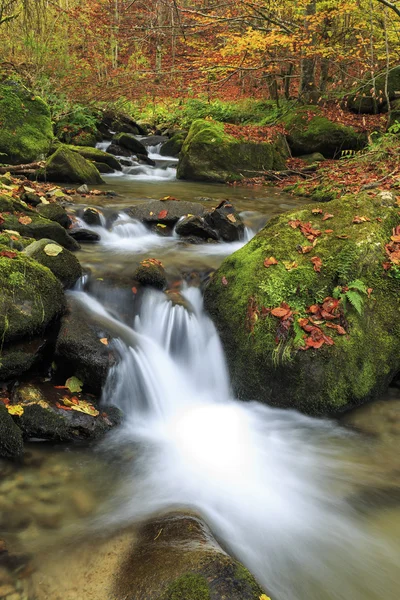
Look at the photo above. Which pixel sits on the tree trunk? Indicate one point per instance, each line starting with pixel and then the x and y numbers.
pixel 307 83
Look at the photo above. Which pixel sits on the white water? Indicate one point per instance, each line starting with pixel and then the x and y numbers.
pixel 270 483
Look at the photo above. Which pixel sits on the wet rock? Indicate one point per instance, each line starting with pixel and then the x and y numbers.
pixel 176 557
pixel 167 212
pixel 146 160
pixel 83 189
pixel 55 212
pixel 173 146
pixel 92 216
pixel 195 226
pixel 128 141
pixel 116 121
pixel 30 198
pixel 226 222
pixel 98 157
pixel 151 272
pixel 61 262
pixel 79 350
pixel 103 168
pixel 11 445
pixel 118 150
pixel 19 357
pixel 84 235
pixel 154 140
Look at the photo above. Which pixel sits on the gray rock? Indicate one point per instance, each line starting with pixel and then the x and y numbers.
pixel 92 216
pixel 225 221
pixel 149 212
pixel 195 226
pixel 55 212
pixel 11 445
pixel 83 189
pixel 128 141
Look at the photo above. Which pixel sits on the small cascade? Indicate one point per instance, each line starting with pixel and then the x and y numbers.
pixel 271 483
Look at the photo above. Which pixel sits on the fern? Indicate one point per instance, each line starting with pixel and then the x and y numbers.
pixel 356 300
pixel 346 261
pixel 358 285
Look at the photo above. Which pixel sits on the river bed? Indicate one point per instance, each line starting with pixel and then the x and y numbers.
pixel 311 507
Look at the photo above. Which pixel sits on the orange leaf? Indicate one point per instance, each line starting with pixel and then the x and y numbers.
pixel 280 312
pixel 270 261
pixel 224 281
pixel 317 262
pixel 328 230
pixel 327 216
pixel 162 214
pixel 104 341
pixel 25 220
pixel 358 219
pixel 317 211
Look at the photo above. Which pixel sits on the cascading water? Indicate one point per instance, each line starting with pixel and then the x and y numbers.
pixel 271 483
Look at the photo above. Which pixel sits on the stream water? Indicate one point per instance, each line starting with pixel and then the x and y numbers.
pixel 309 506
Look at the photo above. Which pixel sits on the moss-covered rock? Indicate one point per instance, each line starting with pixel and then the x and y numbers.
pixel 11 444
pixel 173 146
pixel 19 357
pixel 97 156
pixel 128 141
pixel 61 262
pixel 55 212
pixel 150 272
pixel 364 101
pixel 309 131
pixel 267 357
pixel 26 130
pixel 17 217
pixel 395 114
pixel 209 154
pixel 176 558
pixel 67 166
pixel 30 297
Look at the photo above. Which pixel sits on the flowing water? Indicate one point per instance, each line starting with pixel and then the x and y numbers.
pixel 309 506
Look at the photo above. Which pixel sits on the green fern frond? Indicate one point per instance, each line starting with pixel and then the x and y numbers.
pixel 356 300
pixel 337 292
pixel 358 285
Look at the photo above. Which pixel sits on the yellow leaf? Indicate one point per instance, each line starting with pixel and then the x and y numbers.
pixel 12 232
pixel 231 218
pixel 104 341
pixel 85 407
pixel 289 265
pixel 15 409
pixel 264 597
pixel 52 249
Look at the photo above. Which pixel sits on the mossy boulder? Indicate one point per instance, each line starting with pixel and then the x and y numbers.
pixel 365 101
pixel 173 146
pixel 31 297
pixel 61 262
pixel 129 141
pixel 11 444
pixel 67 166
pixel 55 212
pixel 17 217
pixel 97 156
pixel 309 131
pixel 150 272
pixel 19 357
pixel 209 154
pixel 271 359
pixel 177 558
pixel 26 131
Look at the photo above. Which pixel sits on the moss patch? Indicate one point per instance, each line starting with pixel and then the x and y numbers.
pixel 209 154
pixel 97 156
pixel 187 586
pixel 265 363
pixel 26 130
pixel 309 131
pixel 69 167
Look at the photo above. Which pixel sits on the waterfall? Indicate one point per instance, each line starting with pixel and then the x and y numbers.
pixel 271 483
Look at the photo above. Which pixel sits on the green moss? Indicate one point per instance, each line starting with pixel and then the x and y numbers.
pixel 209 154
pixel 65 266
pixel 173 146
pixel 331 378
pixel 96 155
pixel 188 587
pixel 26 130
pixel 309 131
pixel 30 298
pixel 69 167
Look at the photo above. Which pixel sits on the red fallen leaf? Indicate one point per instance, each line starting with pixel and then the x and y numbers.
pixel 1 219
pixel 25 220
pixel 358 219
pixel 302 322
pixel 162 214
pixel 281 312
pixel 328 340
pixel 378 219
pixel 327 216
pixel 327 316
pixel 305 249
pixel 8 254
pixel 340 330
pixel 310 343
pixel 268 262
pixel 328 230
pixel 5 401
pixel 265 311
pixel 317 211
pixel 60 387
pixel 330 304
pixel 313 309
pixel 395 238
pixel 62 406
pixel 224 281
pixel 317 262
pixel 74 400
pixel 369 292
pixel 294 224
pixel 134 290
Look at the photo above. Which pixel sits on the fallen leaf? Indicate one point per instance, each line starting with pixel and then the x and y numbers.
pixel 231 218
pixel 74 384
pixel 359 220
pixel 317 262
pixel 15 409
pixel 289 265
pixel 264 597
pixel 386 266
pixel 52 249
pixel 134 290
pixel 25 220
pixel 268 262
pixel 224 281
pixel 104 341
pixel 342 236
pixel 305 249
pixel 328 230
pixel 8 254
pixel 317 211
pixel 369 292
pixel 340 330
pixel 162 214
pixel 280 312
pixel 327 216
